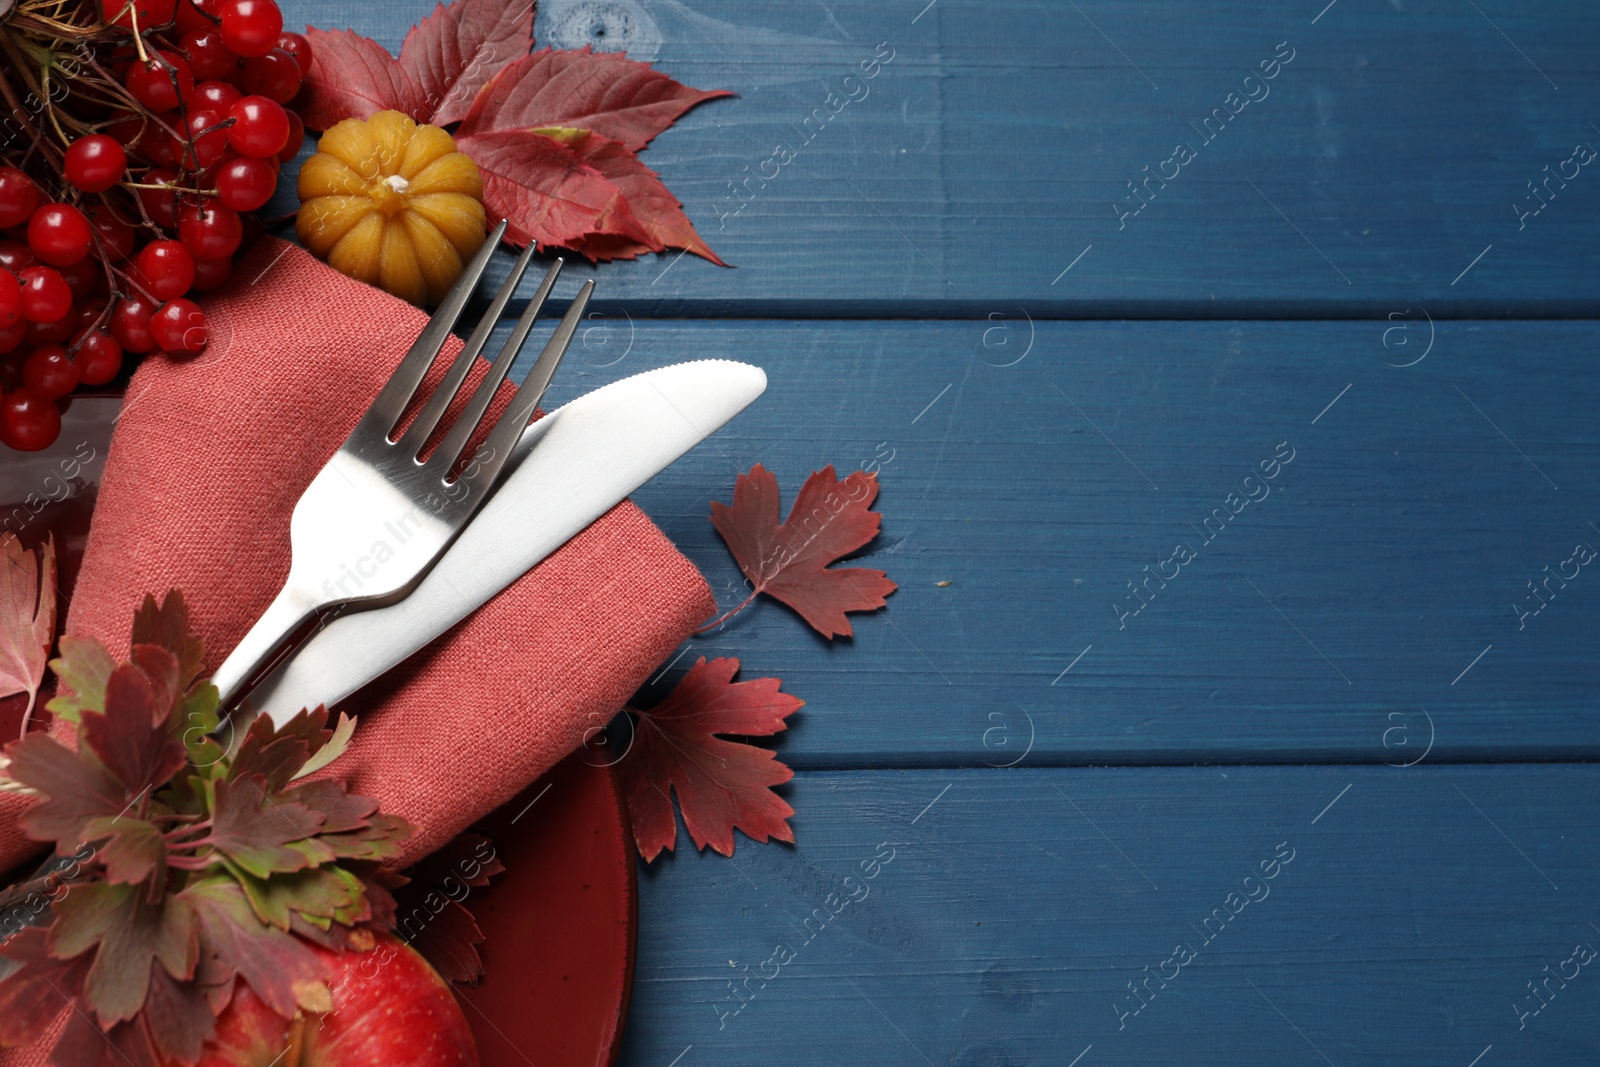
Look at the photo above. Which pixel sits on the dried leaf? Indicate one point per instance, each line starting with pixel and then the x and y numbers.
pixel 27 617
pixel 721 785
pixel 829 520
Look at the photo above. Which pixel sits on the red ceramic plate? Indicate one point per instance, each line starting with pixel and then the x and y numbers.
pixel 559 924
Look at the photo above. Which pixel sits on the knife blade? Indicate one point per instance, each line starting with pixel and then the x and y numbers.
pixel 567 470
pixel 572 466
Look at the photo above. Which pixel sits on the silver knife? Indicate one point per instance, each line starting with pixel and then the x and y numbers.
pixel 568 469
pixel 572 466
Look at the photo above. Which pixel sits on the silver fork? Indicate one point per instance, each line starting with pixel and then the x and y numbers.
pixel 378 515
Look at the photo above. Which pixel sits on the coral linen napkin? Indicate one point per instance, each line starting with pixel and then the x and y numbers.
pixel 203 471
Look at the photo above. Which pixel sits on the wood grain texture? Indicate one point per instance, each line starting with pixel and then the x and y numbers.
pixel 979 163
pixel 1334 619
pixel 1417 906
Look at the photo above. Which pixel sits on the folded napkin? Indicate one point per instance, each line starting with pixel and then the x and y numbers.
pixel 205 466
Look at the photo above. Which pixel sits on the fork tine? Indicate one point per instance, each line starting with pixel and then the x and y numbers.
pixel 402 384
pixel 514 420
pixel 466 424
pixel 427 419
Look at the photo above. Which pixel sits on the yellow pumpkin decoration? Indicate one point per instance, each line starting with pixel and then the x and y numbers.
pixel 393 204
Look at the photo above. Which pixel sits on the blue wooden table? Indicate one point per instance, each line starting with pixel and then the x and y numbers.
pixel 1177 760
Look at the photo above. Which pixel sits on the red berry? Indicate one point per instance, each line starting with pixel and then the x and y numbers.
pixel 125 128
pixel 251 27
pixel 158 145
pixel 212 274
pixel 95 163
pixel 11 336
pixel 210 229
pixel 161 82
pixel 116 235
pixel 161 204
pixel 130 324
pixel 180 326
pixel 14 255
pixel 28 422
pixel 216 96
pixel 82 277
pixel 50 333
pixel 59 234
pixel 165 269
pixel 207 140
pixel 208 57
pixel 10 299
pixel 260 127
pixel 19 196
pixel 99 358
pixel 297 46
pixel 297 137
pixel 45 296
pixel 49 373
pixel 245 184
pixel 148 13
pixel 275 76
pixel 196 16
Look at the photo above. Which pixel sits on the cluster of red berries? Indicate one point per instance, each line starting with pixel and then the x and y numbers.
pixel 146 209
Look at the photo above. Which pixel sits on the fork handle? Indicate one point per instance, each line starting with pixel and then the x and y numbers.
pixel 290 610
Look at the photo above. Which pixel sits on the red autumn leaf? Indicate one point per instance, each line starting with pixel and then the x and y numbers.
pixel 453 53
pixel 829 520
pixel 652 203
pixel 721 785
pixel 27 617
pixel 603 92
pixel 553 133
pixel 546 191
pixel 444 61
pixel 353 76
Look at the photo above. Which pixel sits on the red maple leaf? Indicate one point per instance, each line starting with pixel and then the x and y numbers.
pixel 554 133
pixel 721 785
pixel 829 520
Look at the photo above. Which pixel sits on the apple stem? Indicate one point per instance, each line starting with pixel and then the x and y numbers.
pixel 297 1037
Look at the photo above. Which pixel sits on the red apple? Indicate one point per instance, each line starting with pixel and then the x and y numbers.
pixel 391 1008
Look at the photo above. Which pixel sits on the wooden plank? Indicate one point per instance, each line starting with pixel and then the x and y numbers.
pixel 989 163
pixel 1407 914
pixel 1362 607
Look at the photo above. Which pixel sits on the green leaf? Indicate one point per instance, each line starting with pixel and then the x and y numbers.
pixel 253 828
pixel 129 934
pixel 133 850
pixel 321 894
pixel 83 667
pixel 333 749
